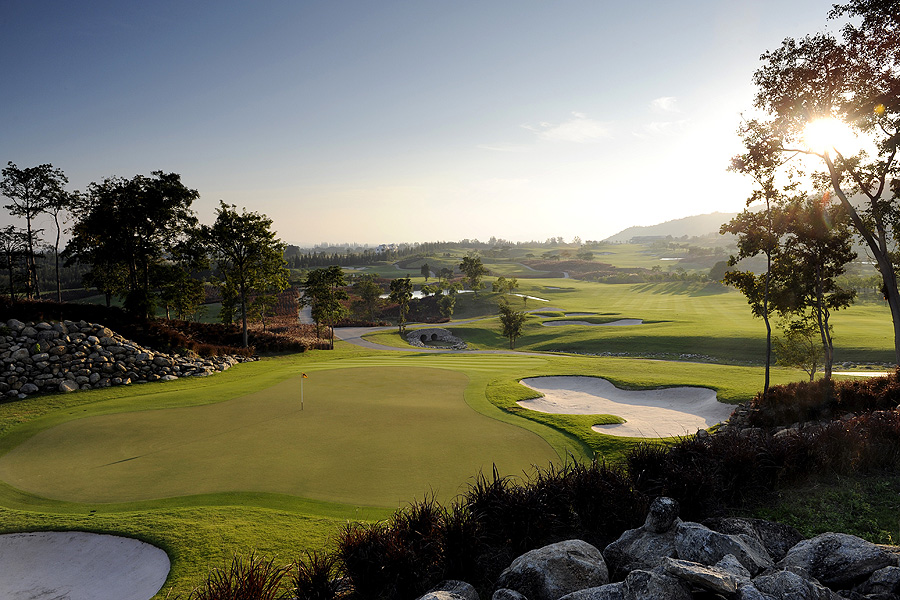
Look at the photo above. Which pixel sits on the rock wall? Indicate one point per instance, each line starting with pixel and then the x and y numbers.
pixel 724 559
pixel 67 356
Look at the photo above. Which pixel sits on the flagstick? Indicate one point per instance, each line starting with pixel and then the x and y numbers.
pixel 301 393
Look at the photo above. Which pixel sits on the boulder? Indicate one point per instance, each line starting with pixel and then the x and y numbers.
pixel 28 388
pixel 653 585
pixel 16 325
pixel 662 516
pixel 697 543
pixel 777 538
pixel 553 571
pixel 787 584
pixel 838 560
pixel 507 594
pixel 451 590
pixel 713 579
pixel 610 591
pixel 882 581
pixel 67 385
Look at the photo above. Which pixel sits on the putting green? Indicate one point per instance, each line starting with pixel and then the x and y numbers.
pixel 368 435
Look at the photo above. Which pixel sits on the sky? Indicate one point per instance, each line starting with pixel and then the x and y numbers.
pixel 382 121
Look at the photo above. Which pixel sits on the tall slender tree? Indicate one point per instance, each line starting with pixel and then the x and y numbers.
pixel 401 293
pixel 31 190
pixel 248 255
pixel 13 245
pixel 324 292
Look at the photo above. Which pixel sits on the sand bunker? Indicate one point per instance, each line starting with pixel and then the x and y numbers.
pixel 618 323
pixel 79 566
pixel 648 413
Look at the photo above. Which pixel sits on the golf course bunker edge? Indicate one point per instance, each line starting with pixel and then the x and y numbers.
pixel 77 565
pixel 662 412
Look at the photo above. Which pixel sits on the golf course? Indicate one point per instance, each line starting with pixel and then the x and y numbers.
pixel 260 458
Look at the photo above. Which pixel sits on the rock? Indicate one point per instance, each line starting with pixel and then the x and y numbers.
pixel 20 354
pixel 610 591
pixel 16 325
pixel 28 388
pixel 882 581
pixel 28 331
pixel 838 559
pixel 653 585
pixel 507 594
pixel 451 590
pixel 730 564
pixel 777 538
pixel 638 549
pixel 553 571
pixel 786 584
pixel 662 516
pixel 700 544
pixel 47 335
pixel 67 385
pixel 710 578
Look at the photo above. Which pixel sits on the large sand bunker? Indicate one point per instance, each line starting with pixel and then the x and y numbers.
pixel 79 566
pixel 648 413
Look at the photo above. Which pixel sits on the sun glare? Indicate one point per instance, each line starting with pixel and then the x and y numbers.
pixel 827 135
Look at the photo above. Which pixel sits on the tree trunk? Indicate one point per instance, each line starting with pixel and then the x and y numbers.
pixel 244 336
pixel 56 251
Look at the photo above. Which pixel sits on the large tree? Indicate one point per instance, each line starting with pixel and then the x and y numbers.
pixel 324 292
pixel 474 271
pixel 129 227
pixel 248 255
pixel 809 85
pixel 31 190
pixel 512 323
pixel 401 293
pixel 369 292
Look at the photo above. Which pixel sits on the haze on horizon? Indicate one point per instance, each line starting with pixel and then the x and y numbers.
pixel 380 122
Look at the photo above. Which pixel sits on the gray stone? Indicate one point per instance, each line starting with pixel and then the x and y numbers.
pixel 20 354
pixel 507 594
pixel 662 516
pixel 700 544
pixel 451 590
pixel 610 591
pixel 882 581
pixel 553 571
pixel 777 538
pixel 41 356
pixel 730 564
pixel 43 326
pixel 67 385
pixel 28 388
pixel 653 585
pixel 28 331
pixel 838 559
pixel 709 578
pixel 786 584
pixel 749 592
pixel 16 325
pixel 48 335
pixel 638 549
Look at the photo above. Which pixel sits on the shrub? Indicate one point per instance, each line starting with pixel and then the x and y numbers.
pixel 247 578
pixel 314 577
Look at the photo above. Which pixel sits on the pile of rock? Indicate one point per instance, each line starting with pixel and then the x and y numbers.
pixel 726 559
pixel 419 337
pixel 67 356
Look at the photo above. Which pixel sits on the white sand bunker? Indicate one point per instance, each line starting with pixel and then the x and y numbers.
pixel 79 566
pixel 648 413
pixel 618 323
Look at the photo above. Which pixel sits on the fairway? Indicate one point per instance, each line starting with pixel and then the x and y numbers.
pixel 376 436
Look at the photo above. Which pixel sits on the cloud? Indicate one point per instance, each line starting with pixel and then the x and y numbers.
pixel 501 147
pixel 579 129
pixel 666 104
pixel 662 128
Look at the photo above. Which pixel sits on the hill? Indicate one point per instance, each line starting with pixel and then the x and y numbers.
pixel 694 226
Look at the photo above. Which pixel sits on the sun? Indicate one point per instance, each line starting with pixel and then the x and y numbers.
pixel 827 135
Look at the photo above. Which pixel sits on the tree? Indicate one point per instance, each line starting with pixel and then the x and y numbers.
pixel 800 347
pixel 499 286
pixel 446 305
pixel 446 274
pixel 811 83
pixel 248 256
pixel 13 243
pixel 425 271
pixel 129 227
pixel 816 250
pixel 401 293
pixel 473 269
pixel 369 293
pixel 58 202
pixel 324 291
pixel 31 189
pixel 512 322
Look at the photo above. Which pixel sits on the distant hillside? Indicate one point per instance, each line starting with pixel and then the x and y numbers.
pixel 695 226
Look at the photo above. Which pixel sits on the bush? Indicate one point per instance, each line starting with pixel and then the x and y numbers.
pixel 248 578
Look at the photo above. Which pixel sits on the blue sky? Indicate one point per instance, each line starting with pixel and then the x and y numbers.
pixel 384 121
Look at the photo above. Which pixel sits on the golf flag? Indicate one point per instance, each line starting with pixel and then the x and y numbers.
pixel 304 375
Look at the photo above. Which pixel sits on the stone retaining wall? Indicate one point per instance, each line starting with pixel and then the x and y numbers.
pixel 67 356
pixel 418 338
